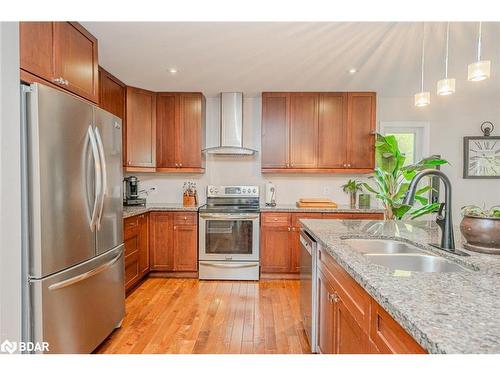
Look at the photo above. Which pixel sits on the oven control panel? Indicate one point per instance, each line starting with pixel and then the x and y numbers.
pixel 232 191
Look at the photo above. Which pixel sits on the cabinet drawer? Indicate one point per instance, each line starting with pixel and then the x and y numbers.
pixel 130 227
pixel 275 219
pixel 304 215
pixel 131 270
pixel 185 218
pixel 354 297
pixel 388 336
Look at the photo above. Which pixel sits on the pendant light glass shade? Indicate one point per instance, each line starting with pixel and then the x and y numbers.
pixel 446 86
pixel 479 70
pixel 422 99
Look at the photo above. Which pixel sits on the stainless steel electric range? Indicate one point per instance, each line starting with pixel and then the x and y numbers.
pixel 229 234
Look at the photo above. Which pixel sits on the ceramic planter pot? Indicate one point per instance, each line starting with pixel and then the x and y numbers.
pixel 482 234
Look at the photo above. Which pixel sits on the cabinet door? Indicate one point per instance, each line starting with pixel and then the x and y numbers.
pixel 75 59
pixel 275 249
pixel 350 338
pixel 326 316
pixel 275 127
pixel 141 128
pixel 189 130
pixel 361 128
pixel 332 147
pixel 161 241
pixel 166 118
pixel 304 130
pixel 185 248
pixel 35 48
pixel 143 244
pixel 112 95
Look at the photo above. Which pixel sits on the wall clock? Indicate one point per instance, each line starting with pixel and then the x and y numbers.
pixel 482 154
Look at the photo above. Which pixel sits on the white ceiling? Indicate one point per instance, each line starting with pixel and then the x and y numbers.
pixel 271 56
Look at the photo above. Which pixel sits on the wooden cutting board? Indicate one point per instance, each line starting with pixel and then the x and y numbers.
pixel 316 203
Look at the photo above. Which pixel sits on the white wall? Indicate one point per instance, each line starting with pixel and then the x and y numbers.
pixel 10 185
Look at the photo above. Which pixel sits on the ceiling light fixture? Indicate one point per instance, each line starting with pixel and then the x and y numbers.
pixel 352 71
pixel 446 86
pixel 172 71
pixel 479 70
pixel 422 98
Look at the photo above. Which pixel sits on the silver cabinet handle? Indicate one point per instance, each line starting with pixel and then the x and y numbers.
pixel 58 80
pixel 97 176
pixel 348 165
pixel 100 147
pixel 66 82
pixel 180 164
pixel 83 276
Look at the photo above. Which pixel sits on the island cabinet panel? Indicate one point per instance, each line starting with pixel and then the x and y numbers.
pixel 275 130
pixel 303 130
pixel 136 249
pixel 62 55
pixel 180 132
pixel 332 131
pixel 318 132
pixel 140 130
pixel 350 321
pixel 174 241
pixel 388 336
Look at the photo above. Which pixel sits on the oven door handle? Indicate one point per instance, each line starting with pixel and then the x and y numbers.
pixel 230 216
pixel 229 265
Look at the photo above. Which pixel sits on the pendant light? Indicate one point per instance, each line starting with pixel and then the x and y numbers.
pixel 422 98
pixel 479 70
pixel 446 86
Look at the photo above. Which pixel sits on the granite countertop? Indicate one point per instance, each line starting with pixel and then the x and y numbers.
pixel 340 209
pixel 129 211
pixel 444 312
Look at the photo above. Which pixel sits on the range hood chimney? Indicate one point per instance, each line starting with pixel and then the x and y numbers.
pixel 231 126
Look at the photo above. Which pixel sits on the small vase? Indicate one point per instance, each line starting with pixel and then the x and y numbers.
pixel 353 200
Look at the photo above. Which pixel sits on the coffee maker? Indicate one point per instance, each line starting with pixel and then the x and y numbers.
pixel 131 192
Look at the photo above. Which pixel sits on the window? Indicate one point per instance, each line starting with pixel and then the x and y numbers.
pixel 412 137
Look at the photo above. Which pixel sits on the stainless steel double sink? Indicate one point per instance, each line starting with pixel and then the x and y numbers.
pixel 397 255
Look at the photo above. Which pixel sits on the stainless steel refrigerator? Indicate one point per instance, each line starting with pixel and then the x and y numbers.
pixel 73 235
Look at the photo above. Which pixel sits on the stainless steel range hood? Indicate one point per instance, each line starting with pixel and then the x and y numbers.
pixel 231 126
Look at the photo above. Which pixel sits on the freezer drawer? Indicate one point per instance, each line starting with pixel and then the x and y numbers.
pixel 75 310
pixel 214 270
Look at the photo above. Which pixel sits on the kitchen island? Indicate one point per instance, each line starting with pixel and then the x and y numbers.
pixel 455 312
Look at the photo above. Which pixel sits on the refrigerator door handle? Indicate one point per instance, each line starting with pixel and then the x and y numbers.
pixel 86 275
pixel 98 177
pixel 104 186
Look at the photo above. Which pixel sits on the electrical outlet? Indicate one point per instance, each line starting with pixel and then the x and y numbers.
pixel 326 190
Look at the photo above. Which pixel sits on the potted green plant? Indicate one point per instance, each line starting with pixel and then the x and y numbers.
pixel 481 229
pixel 352 187
pixel 392 179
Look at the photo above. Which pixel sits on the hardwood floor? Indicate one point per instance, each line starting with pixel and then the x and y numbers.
pixel 211 317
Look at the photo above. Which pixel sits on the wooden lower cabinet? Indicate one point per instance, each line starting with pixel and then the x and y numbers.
pixel 174 241
pixel 280 233
pixel 350 321
pixel 136 238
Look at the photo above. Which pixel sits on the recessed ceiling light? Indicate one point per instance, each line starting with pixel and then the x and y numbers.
pixel 352 71
pixel 172 71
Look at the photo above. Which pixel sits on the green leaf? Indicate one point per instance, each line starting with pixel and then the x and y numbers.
pixel 421 200
pixel 428 209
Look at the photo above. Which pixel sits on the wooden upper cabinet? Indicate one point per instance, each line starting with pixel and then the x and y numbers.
pixel 75 59
pixel 166 119
pixel 275 127
pixel 190 130
pixel 141 130
pixel 318 132
pixel 63 54
pixel 332 147
pixel 361 130
pixel 180 132
pixel 35 47
pixel 303 130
